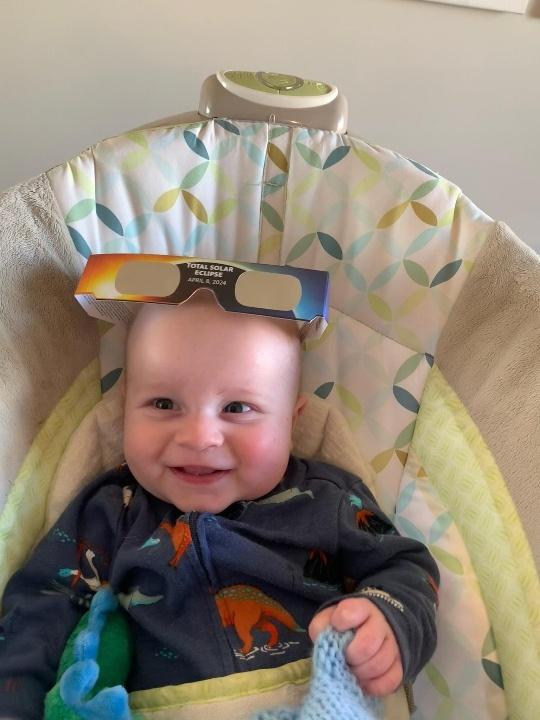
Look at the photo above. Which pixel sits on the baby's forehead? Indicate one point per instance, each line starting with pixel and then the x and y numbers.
pixel 169 341
pixel 181 325
pixel 154 315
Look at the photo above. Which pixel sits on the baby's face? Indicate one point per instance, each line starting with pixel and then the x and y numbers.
pixel 211 398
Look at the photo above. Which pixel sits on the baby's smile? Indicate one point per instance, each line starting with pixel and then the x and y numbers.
pixel 199 474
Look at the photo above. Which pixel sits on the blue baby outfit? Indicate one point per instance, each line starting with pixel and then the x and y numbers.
pixel 211 595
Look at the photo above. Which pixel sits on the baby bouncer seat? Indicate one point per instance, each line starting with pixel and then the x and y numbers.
pixel 431 355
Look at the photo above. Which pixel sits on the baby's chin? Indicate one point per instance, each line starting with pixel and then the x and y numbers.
pixel 203 505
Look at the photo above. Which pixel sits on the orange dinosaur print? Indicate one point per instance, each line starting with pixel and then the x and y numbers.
pixel 321 568
pixel 318 555
pixel 84 551
pixel 246 608
pixel 180 535
pixel 363 518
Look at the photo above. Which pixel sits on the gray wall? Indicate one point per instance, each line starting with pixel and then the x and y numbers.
pixel 457 89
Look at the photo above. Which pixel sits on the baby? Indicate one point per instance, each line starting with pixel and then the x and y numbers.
pixel 227 553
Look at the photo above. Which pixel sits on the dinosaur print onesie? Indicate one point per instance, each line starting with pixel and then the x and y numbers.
pixel 211 595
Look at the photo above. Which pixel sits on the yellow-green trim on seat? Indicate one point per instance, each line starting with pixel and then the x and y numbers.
pixel 24 512
pixel 216 690
pixel 468 480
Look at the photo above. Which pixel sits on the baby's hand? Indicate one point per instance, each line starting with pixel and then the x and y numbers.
pixel 373 654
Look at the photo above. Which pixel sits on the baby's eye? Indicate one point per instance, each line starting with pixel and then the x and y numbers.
pixel 162 404
pixel 237 407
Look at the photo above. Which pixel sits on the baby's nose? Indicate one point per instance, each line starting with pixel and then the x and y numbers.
pixel 199 432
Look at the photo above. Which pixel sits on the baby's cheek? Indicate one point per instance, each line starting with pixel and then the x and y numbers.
pixel 141 443
pixel 133 439
pixel 267 448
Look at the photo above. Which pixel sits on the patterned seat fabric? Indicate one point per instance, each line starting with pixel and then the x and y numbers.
pixel 399 242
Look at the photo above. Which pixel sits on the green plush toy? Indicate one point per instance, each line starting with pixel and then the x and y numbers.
pixel 94 666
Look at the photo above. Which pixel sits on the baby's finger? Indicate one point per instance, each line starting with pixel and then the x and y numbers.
pixel 378 664
pixel 319 622
pixel 351 613
pixel 386 683
pixel 366 643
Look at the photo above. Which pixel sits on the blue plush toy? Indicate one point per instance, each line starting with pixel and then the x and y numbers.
pixel 94 666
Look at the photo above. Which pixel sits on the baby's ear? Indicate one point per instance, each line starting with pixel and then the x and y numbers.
pixel 299 407
pixel 122 385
